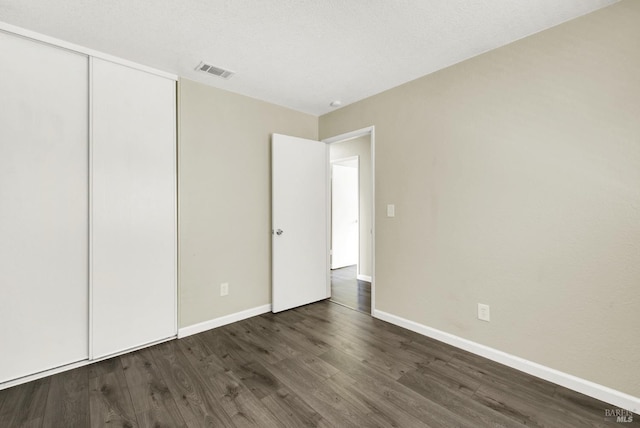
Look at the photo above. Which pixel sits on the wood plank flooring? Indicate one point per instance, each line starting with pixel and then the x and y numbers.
pixel 321 365
pixel 349 291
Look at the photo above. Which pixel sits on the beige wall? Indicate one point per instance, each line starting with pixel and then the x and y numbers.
pixel 360 147
pixel 516 179
pixel 225 198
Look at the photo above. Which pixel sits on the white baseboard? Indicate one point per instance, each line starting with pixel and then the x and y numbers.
pixel 592 389
pixel 219 322
pixel 364 278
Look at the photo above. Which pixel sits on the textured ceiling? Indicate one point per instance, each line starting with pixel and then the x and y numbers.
pixel 302 54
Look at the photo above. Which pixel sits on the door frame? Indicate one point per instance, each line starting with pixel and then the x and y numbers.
pixel 370 131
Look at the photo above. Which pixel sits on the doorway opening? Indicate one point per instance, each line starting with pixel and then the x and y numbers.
pixel 351 202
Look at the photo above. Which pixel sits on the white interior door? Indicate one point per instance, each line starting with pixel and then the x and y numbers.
pixel 133 208
pixel 344 214
pixel 300 221
pixel 44 208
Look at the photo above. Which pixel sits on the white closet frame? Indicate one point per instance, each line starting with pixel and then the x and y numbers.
pixel 37 37
pixel 8 28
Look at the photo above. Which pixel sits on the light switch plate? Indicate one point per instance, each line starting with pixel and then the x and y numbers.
pixel 391 210
pixel 484 313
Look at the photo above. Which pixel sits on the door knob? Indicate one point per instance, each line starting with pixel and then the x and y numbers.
pixel 279 232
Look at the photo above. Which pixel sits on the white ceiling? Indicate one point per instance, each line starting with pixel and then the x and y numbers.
pixel 302 54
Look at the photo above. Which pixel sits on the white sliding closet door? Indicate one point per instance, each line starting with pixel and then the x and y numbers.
pixel 43 207
pixel 133 208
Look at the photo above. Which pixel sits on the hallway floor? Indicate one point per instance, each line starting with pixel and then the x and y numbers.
pixel 349 291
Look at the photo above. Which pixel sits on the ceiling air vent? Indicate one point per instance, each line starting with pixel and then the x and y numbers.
pixel 216 71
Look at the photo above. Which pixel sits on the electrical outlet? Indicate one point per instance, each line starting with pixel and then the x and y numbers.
pixel 224 288
pixel 484 313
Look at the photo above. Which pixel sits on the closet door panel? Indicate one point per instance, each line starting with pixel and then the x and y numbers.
pixel 43 207
pixel 133 208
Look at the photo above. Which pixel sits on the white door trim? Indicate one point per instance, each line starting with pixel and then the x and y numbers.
pixel 370 130
pixel 348 158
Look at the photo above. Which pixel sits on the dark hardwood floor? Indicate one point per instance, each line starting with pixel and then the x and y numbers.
pixel 349 291
pixel 319 365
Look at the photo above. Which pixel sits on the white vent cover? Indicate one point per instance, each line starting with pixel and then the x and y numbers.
pixel 216 71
